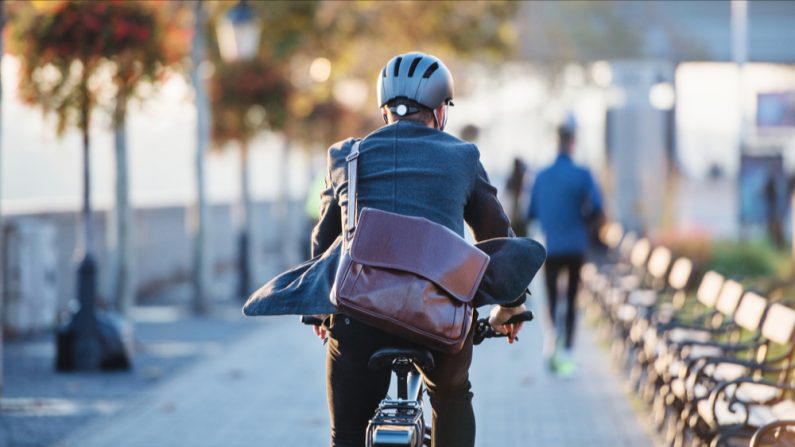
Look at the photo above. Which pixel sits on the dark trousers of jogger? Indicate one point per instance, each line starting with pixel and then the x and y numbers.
pixel 354 392
pixel 552 268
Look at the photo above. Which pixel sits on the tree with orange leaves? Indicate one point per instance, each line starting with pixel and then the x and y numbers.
pixel 77 56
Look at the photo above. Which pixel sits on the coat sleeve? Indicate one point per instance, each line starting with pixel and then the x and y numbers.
pixel 532 209
pixel 483 212
pixel 329 226
pixel 593 200
pixel 485 216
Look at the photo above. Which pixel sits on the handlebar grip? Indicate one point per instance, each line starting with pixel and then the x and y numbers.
pixel 483 329
pixel 518 318
pixel 310 320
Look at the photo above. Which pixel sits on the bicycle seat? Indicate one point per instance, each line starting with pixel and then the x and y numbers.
pixel 383 358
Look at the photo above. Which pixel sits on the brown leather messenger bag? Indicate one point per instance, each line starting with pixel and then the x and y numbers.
pixel 406 275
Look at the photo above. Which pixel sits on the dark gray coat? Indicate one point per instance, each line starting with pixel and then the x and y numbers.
pixel 411 169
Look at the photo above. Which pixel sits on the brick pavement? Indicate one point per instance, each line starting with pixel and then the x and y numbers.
pixel 267 389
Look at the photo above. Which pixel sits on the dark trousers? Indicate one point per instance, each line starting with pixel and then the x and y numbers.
pixel 353 391
pixel 553 266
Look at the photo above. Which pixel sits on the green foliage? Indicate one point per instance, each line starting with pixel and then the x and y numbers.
pixel 287 27
pixel 358 37
pixel 251 96
pixel 749 260
pixel 696 247
pixel 758 265
pixel 248 96
pixel 465 29
pixel 79 54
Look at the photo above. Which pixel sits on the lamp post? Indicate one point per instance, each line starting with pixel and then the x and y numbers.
pixel 2 317
pixel 662 96
pixel 238 33
pixel 238 40
pixel 739 51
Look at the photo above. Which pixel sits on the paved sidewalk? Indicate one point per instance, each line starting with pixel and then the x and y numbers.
pixel 40 406
pixel 267 389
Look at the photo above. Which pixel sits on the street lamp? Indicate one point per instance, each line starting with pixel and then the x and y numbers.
pixel 238 40
pixel 238 33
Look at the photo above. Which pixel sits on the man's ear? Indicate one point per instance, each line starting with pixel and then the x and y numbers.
pixel 384 114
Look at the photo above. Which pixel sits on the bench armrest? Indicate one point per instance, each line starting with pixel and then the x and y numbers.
pixel 696 371
pixel 731 386
pixel 728 392
pixel 726 347
pixel 694 327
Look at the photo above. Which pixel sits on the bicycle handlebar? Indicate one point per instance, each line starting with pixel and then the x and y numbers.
pixel 483 329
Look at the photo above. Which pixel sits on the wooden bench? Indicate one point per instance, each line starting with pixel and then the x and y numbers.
pixel 667 327
pixel 681 392
pixel 651 308
pixel 715 367
pixel 744 392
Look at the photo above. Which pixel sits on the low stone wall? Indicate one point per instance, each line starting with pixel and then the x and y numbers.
pixel 40 259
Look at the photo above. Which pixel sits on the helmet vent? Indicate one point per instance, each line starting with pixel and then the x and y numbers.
pixel 383 73
pixel 397 66
pixel 434 66
pixel 414 64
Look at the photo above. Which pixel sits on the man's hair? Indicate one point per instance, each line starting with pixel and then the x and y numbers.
pixel 565 136
pixel 423 113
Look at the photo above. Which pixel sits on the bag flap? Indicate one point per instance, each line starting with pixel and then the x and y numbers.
pixel 419 246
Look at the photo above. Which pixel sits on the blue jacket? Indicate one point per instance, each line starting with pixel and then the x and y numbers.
pixel 411 169
pixel 564 197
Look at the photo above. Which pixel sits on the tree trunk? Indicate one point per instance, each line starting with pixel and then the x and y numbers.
pixel 792 226
pixel 244 258
pixel 88 227
pixel 87 271
pixel 122 285
pixel 2 231
pixel 201 255
pixel 283 208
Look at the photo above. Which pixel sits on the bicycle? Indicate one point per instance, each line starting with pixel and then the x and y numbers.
pixel 400 422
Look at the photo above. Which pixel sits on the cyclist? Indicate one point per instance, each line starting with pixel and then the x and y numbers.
pixel 409 166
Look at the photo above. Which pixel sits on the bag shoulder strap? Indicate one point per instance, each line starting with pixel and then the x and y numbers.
pixel 352 159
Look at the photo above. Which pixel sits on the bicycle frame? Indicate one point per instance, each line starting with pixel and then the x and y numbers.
pixel 400 422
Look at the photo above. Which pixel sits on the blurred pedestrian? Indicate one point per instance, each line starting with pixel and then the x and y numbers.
pixel 515 197
pixel 312 209
pixel 565 199
pixel 773 216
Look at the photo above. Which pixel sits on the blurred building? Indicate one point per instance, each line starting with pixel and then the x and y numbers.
pixel 677 106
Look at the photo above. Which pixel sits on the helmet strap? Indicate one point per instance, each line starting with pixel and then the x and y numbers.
pixel 443 124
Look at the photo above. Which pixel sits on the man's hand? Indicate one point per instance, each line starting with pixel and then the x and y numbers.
pixel 320 330
pixel 499 315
